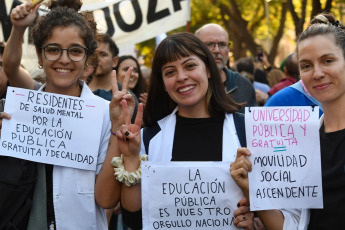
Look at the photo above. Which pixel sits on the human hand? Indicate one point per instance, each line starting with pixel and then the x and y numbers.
pixel 143 98
pixel 23 15
pixel 2 116
pixel 239 170
pixel 244 218
pixel 115 107
pixel 129 140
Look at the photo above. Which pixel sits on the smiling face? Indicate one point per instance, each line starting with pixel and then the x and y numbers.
pixel 186 82
pixel 122 69
pixel 322 68
pixel 63 74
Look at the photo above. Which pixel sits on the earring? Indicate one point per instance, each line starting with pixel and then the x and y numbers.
pixel 40 67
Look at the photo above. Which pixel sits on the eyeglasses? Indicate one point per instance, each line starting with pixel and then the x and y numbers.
pixel 75 53
pixel 221 45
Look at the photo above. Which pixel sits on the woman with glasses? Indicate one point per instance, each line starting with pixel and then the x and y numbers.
pixel 64 39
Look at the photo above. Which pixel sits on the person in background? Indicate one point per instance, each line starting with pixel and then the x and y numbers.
pixel 108 58
pixel 217 41
pixel 274 77
pixel 262 67
pixel 291 74
pixel 245 67
pixel 137 83
pixel 321 60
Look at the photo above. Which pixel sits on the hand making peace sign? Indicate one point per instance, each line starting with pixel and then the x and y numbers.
pixel 115 108
pixel 121 110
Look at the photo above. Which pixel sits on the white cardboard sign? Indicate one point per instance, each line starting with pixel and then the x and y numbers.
pixel 285 147
pixel 188 195
pixel 52 128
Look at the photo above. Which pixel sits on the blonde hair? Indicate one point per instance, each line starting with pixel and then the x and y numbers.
pixel 274 77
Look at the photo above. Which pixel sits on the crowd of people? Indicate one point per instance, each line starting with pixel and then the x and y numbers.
pixel 192 105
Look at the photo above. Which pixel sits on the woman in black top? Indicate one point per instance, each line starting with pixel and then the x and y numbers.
pixel 321 57
pixel 190 111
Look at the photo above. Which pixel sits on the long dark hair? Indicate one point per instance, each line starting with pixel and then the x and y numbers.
pixel 159 104
pixel 141 86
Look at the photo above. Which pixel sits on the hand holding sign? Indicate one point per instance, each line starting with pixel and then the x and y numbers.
pixel 244 218
pixel 239 170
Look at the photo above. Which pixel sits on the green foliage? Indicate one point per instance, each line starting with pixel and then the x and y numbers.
pixel 260 27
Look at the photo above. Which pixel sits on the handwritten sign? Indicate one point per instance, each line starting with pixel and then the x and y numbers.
pixel 188 195
pixel 285 147
pixel 52 128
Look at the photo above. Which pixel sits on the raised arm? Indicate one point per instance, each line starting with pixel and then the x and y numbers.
pixel 125 149
pixel 21 17
pixel 129 140
pixel 107 188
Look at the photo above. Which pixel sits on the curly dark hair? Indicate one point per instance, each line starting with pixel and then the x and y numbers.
pixel 65 13
pixel 106 39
